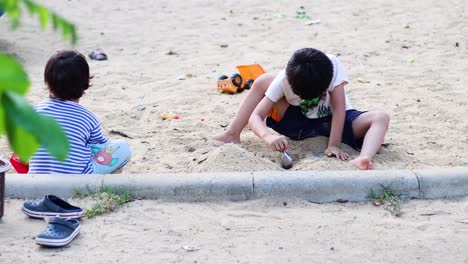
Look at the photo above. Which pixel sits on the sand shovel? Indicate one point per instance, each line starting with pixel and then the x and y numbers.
pixel 286 160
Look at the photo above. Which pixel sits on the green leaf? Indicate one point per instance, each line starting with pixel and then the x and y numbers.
pixel 52 137
pixel 44 129
pixel 43 16
pixel 22 142
pixel 30 6
pixel 2 120
pixel 11 7
pixel 12 76
pixel 73 34
pixel 55 21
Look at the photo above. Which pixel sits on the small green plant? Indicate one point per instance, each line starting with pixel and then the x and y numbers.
pixel 78 193
pixel 108 199
pixel 388 198
pixel 26 130
pixel 301 13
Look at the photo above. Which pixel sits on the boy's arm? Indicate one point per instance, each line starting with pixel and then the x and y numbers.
pixel 257 124
pixel 96 136
pixel 338 106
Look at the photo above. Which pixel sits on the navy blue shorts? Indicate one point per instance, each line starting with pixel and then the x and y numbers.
pixel 296 126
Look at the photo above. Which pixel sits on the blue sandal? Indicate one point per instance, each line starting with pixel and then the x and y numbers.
pixel 51 206
pixel 60 232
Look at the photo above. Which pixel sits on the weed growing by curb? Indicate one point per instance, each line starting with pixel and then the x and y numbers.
pixel 108 199
pixel 78 193
pixel 388 198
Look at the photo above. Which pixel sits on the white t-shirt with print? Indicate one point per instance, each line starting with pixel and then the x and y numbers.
pixel 318 108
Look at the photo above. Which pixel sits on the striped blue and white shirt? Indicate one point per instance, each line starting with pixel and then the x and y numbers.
pixel 82 129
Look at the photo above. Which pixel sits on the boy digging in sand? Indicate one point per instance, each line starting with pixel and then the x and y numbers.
pixel 305 100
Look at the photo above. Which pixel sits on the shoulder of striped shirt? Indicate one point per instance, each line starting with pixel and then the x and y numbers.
pixel 51 105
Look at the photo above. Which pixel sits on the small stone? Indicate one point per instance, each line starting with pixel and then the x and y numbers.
pixel 191 149
pixel 312 22
pixel 332 248
pixel 190 248
pixel 285 203
pixel 224 45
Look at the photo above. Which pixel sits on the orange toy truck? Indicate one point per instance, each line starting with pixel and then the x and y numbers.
pixel 235 83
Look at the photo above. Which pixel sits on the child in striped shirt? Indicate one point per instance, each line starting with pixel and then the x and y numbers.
pixel 67 77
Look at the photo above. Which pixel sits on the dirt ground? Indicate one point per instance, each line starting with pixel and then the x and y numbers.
pixel 261 231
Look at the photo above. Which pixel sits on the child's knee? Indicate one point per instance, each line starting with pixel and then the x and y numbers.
pixel 381 117
pixel 122 146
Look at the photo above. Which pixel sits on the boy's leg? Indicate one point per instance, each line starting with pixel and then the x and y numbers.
pixel 110 157
pixel 240 120
pixel 371 126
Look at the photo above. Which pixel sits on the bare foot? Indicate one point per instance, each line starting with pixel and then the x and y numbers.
pixel 119 171
pixel 362 162
pixel 227 138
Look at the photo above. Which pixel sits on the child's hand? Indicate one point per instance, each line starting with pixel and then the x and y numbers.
pixel 337 152
pixel 276 143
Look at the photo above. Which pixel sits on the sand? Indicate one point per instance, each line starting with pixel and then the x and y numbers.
pixel 409 58
pixel 261 231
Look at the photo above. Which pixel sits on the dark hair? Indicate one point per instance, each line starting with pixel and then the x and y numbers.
pixel 309 73
pixel 67 75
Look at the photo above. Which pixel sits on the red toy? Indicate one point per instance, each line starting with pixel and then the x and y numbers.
pixel 19 166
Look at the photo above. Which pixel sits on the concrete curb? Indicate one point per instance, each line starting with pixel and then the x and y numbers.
pixel 314 186
pixel 186 187
pixel 443 183
pixel 330 186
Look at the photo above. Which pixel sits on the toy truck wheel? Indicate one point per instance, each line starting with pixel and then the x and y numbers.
pixel 222 77
pixel 236 80
pixel 248 84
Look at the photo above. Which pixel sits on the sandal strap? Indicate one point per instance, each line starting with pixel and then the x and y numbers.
pixel 71 223
pixel 47 202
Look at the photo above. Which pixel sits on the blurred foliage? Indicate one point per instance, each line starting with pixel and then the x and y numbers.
pixel 13 9
pixel 26 129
